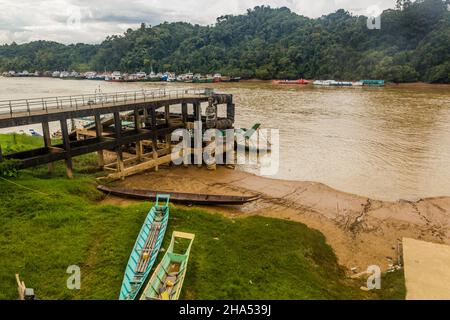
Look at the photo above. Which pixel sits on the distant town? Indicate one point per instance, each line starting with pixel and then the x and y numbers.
pixel 117 76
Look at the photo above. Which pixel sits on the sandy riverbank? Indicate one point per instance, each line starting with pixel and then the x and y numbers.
pixel 362 231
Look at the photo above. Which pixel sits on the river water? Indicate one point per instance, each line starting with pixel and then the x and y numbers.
pixel 386 143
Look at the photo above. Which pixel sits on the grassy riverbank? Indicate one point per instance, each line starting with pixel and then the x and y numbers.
pixel 49 223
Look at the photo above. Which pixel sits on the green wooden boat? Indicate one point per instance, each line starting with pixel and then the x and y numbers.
pixel 145 249
pixel 167 280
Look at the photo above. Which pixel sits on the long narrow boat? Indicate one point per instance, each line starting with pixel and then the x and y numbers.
pixel 181 197
pixel 167 280
pixel 145 249
pixel 299 81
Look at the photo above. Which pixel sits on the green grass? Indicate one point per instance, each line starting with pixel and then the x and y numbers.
pixel 50 223
pixel 19 142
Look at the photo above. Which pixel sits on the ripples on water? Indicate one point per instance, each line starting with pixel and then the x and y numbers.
pixel 387 143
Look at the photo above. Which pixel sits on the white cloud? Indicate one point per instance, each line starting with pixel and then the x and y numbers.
pixel 90 21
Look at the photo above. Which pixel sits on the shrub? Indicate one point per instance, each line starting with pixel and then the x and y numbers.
pixel 9 168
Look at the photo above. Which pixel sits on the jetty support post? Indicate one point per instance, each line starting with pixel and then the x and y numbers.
pixel 66 143
pixel 168 123
pixel 47 142
pixel 119 152
pixel 184 112
pixel 154 137
pixel 99 135
pixel 167 114
pixel 138 127
pixel 197 111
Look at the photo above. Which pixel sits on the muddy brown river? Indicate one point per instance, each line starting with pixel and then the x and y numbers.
pixel 385 143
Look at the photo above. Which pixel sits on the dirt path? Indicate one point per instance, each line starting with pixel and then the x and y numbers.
pixel 362 231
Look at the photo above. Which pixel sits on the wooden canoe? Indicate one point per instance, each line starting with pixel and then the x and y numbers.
pixel 145 249
pixel 181 197
pixel 167 280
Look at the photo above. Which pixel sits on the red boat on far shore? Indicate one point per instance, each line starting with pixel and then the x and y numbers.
pixel 299 81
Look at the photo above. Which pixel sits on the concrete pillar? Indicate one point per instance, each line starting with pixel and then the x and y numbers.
pixel 66 143
pixel 230 111
pixel 47 142
pixel 99 134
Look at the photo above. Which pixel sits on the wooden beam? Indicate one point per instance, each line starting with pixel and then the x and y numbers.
pixel 99 134
pixel 154 139
pixel 47 142
pixel 167 114
pixel 120 165
pixel 184 112
pixel 138 127
pixel 140 167
pixel 117 125
pixel 66 144
pixel 119 152
pixel 197 111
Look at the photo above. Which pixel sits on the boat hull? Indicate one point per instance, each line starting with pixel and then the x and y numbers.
pixel 300 81
pixel 192 198
pixel 167 279
pixel 145 250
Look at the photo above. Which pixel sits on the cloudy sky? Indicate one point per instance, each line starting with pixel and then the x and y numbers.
pixel 90 21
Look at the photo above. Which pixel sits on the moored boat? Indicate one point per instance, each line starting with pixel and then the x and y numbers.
pixel 167 280
pixel 145 249
pixel 299 81
pixel 182 197
pixel 373 82
pixel 332 83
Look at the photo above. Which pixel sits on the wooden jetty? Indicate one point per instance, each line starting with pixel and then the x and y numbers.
pixel 151 110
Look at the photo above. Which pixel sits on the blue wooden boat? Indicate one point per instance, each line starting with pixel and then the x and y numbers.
pixel 167 280
pixel 373 82
pixel 145 249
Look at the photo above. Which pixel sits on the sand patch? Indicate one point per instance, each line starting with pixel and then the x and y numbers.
pixel 427 274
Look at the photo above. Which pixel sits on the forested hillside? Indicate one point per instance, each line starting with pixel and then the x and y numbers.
pixel 413 44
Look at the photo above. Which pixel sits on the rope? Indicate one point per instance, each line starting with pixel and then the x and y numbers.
pixel 22 186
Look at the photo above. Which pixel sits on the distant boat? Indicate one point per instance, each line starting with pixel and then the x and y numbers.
pixel 372 82
pixel 167 280
pixel 203 80
pixel 146 249
pixel 229 79
pixel 116 76
pixel 299 81
pixel 332 83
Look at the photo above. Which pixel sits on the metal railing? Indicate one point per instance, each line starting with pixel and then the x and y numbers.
pixel 25 107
